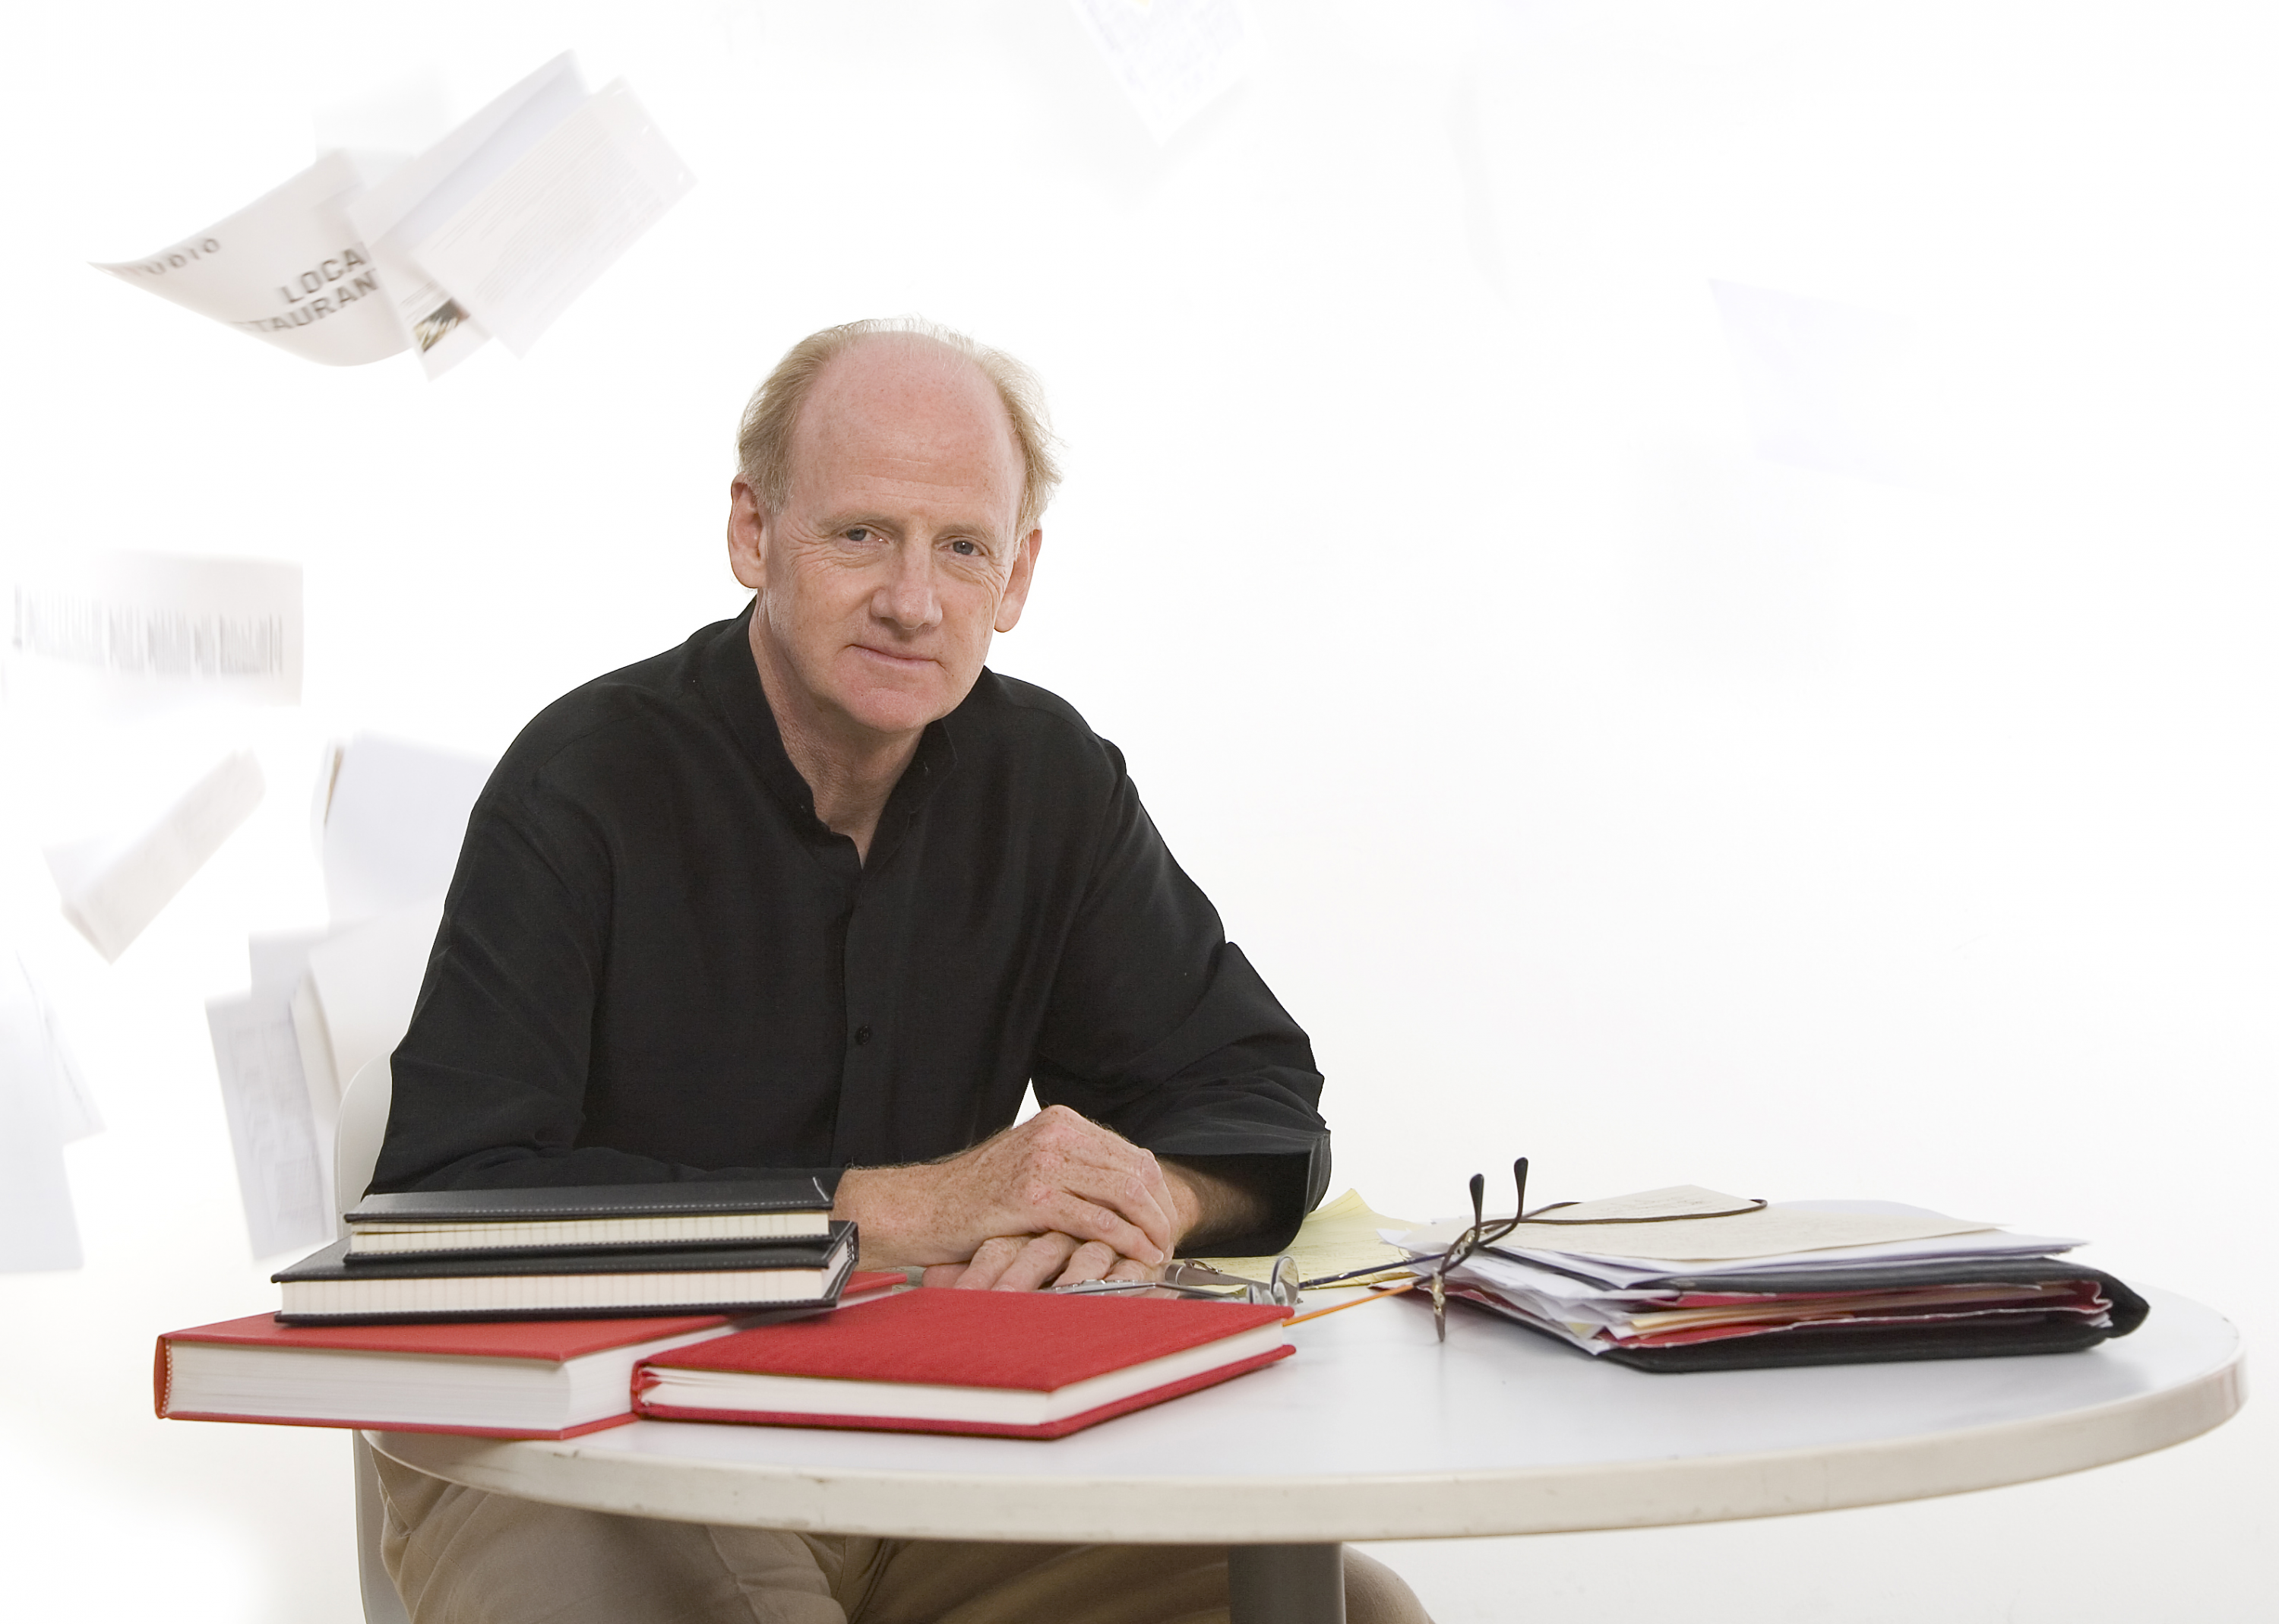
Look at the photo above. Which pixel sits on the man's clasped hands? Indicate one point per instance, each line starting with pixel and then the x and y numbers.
pixel 1052 1201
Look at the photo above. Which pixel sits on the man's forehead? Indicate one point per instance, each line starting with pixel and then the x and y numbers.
pixel 907 397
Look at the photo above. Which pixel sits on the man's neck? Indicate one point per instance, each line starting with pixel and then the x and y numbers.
pixel 850 778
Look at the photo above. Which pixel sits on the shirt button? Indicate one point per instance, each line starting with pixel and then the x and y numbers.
pixel 862 1034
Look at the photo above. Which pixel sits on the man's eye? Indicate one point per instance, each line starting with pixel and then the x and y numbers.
pixel 966 549
pixel 861 533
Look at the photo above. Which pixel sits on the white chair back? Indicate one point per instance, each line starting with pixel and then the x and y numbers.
pixel 362 1125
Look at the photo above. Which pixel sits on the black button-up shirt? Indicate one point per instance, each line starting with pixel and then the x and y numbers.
pixel 656 963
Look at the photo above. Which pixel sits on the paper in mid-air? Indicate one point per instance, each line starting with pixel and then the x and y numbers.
pixel 132 629
pixel 112 886
pixel 42 1108
pixel 282 1170
pixel 390 818
pixel 497 227
pixel 493 231
pixel 1172 57
pixel 286 268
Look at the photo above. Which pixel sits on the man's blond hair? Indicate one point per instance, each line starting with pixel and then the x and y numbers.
pixel 764 438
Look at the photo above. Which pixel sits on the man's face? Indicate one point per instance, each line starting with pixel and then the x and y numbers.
pixel 896 556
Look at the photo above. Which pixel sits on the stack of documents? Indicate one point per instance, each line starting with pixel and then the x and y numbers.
pixel 1796 1282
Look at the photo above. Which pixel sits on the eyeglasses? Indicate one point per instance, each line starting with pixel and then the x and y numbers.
pixel 1482 1234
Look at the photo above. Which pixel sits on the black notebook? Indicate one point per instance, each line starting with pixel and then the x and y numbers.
pixel 329 1287
pixel 586 1218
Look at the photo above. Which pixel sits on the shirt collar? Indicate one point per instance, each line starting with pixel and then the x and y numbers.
pixel 731 681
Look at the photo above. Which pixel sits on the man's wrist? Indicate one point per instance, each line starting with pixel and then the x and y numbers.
pixel 1212 1207
pixel 878 1202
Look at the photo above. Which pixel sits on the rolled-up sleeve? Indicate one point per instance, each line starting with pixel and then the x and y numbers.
pixel 1161 1027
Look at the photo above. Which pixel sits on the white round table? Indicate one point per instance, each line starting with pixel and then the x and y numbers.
pixel 1372 1431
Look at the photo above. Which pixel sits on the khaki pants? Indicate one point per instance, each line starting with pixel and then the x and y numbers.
pixel 460 1556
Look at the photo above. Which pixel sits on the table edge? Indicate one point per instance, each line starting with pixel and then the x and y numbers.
pixel 1228 1510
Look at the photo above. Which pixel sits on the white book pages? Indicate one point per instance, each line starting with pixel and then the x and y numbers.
pixel 114 886
pixel 134 629
pixel 1830 386
pixel 32 1045
pixel 283 1173
pixel 354 1000
pixel 288 268
pixel 418 199
pixel 391 818
pixel 1172 57
pixel 520 250
pixel 38 1230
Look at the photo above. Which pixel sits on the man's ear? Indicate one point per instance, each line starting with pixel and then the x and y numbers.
pixel 1016 583
pixel 748 536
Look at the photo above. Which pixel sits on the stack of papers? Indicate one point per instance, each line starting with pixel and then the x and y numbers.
pixel 1801 1281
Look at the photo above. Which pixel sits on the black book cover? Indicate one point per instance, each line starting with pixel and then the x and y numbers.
pixel 590 1201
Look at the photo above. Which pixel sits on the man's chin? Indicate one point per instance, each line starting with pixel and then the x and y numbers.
pixel 897 709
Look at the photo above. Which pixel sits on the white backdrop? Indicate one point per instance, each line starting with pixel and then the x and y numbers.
pixel 1588 785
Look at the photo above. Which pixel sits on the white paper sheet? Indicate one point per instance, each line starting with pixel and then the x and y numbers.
pixel 1831 387
pixel 113 886
pixel 354 1000
pixel 284 1174
pixel 33 1044
pixel 38 1230
pixel 136 629
pixel 520 250
pixel 287 268
pixel 416 202
pixel 392 817
pixel 1172 57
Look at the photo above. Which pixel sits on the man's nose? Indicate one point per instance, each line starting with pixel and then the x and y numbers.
pixel 907 596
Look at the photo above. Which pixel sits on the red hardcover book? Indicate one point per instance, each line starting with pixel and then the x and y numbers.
pixel 507 1379
pixel 1008 1364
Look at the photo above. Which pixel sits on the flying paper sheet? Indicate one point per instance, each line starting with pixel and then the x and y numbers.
pixel 1172 57
pixel 31 1047
pixel 113 886
pixel 504 222
pixel 1830 386
pixel 416 202
pixel 283 1173
pixel 354 1000
pixel 288 269
pixel 136 628
pixel 38 1230
pixel 392 816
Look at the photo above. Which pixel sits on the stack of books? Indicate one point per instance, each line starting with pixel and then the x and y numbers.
pixel 492 1254
pixel 513 1313
pixel 1635 1281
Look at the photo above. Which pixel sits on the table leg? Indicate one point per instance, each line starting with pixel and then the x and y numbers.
pixel 1285 1585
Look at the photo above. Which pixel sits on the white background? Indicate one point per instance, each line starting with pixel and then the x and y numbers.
pixel 1588 787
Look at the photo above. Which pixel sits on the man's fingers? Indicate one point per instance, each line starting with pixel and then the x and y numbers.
pixel 1037 1263
pixel 989 1260
pixel 943 1274
pixel 1090 1261
pixel 1072 1214
pixel 1127 1268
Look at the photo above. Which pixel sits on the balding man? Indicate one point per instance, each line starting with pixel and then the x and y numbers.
pixel 817 892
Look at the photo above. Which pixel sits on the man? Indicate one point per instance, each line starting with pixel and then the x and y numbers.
pixel 817 892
